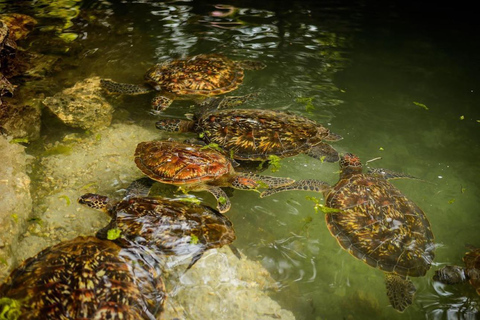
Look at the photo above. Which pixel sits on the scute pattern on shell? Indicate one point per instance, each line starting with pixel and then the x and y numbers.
pixel 168 226
pixel 379 225
pixel 85 278
pixel 178 163
pixel 254 134
pixel 203 75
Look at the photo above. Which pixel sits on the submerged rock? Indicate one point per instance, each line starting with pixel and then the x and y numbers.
pixel 15 200
pixel 82 106
pixel 221 286
pixel 20 120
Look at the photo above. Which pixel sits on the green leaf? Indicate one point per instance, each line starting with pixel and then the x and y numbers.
pixel 274 162
pixel 67 199
pixel 10 309
pixel 113 234
pixel 222 200
pixel 421 105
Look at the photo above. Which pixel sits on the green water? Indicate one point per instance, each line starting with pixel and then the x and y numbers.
pixel 398 82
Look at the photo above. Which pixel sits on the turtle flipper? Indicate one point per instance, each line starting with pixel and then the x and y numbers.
pixel 251 65
pixel 194 260
pixel 223 203
pixel 324 152
pixel 302 185
pixel 451 275
pixel 251 181
pixel 160 103
pixel 388 174
pixel 123 88
pixel 139 188
pixel 235 251
pixel 400 291
pixel 174 125
pixel 225 102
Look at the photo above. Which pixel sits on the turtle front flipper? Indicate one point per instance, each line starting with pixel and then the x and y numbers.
pixel 225 102
pixel 139 188
pixel 223 202
pixel 389 174
pixel 160 103
pixel 123 88
pixel 301 185
pixel 174 125
pixel 251 65
pixel 324 152
pixel 246 181
pixel 400 291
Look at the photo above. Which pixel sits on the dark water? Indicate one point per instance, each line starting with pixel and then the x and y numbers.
pixel 396 80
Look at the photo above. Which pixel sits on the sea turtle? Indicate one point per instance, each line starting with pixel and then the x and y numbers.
pixel 194 77
pixel 377 224
pixel 256 134
pixel 164 226
pixel 197 168
pixel 84 278
pixel 457 274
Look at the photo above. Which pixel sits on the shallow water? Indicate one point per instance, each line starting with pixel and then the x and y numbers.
pixel 397 82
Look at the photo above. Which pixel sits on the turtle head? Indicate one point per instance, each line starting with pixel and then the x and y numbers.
pixel 174 125
pixel 350 164
pixel 94 201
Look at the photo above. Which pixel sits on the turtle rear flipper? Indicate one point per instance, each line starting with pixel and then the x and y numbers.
pixel 123 88
pixel 301 185
pixel 324 152
pixel 400 291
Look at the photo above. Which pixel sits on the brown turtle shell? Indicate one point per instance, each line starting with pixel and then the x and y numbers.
pixel 85 278
pixel 201 75
pixel 179 164
pixel 376 223
pixel 170 226
pixel 254 134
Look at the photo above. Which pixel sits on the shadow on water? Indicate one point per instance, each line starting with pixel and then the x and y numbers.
pixel 397 81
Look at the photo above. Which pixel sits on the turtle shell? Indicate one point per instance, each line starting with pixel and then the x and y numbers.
pixel 376 223
pixel 170 226
pixel 85 278
pixel 254 134
pixel 201 75
pixel 472 265
pixel 179 163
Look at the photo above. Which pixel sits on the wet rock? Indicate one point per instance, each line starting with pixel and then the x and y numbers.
pixel 221 286
pixel 82 106
pixel 20 120
pixel 6 88
pixel 19 25
pixel 15 200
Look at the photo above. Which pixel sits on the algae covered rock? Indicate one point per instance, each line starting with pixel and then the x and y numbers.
pixel 82 106
pixel 15 199
pixel 221 286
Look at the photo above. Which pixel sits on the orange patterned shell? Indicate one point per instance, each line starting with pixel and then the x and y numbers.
pixel 379 225
pixel 180 163
pixel 204 75
pixel 85 278
pixel 254 134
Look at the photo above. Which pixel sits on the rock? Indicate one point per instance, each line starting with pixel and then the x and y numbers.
pixel 82 106
pixel 6 88
pixel 20 120
pixel 221 286
pixel 15 200
pixel 19 25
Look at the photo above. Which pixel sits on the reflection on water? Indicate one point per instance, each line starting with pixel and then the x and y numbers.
pixel 355 69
